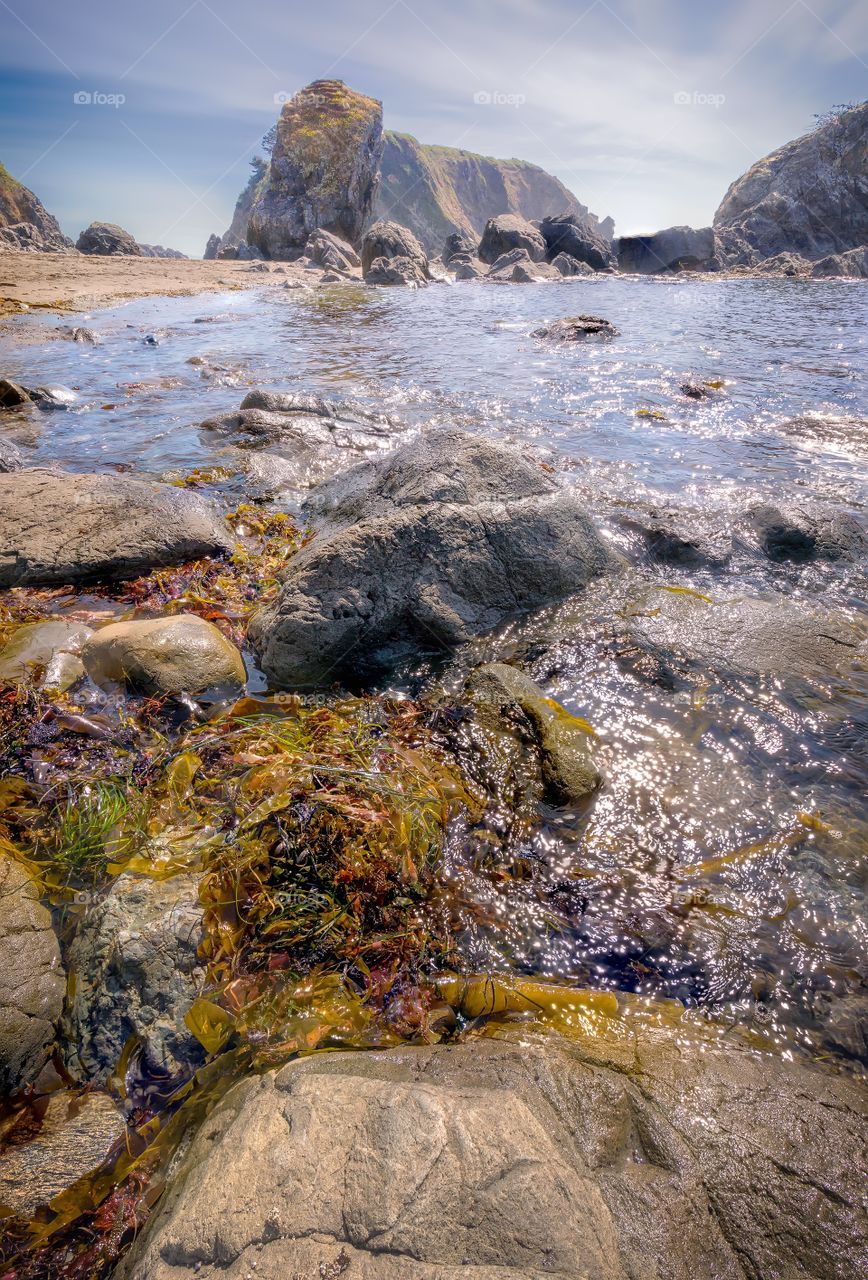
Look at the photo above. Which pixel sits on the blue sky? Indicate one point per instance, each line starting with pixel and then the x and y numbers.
pixel 646 109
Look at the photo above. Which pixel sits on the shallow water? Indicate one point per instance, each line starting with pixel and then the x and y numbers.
pixel 762 770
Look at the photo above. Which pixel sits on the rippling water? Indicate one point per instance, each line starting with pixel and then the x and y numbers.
pixel 724 861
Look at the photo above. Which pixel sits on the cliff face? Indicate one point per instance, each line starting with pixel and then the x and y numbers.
pixel 809 198
pixel 323 170
pixel 436 191
pixel 24 221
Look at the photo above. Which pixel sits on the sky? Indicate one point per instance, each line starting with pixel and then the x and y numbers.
pixel 147 112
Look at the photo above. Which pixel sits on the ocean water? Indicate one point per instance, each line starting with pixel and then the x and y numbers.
pixel 723 863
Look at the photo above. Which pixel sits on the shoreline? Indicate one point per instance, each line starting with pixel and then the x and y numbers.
pixel 60 282
pixel 71 283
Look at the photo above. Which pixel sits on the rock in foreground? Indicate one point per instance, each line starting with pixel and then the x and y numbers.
pixel 615 1156
pixel 137 972
pixel 454 535
pixel 32 981
pixel 57 527
pixel 159 656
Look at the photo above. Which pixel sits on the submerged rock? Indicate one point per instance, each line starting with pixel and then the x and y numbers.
pixel 52 397
pixel 620 1153
pixel 746 636
pixel 109 240
pixel 797 534
pixel 58 527
pixel 76 1134
pixel 568 770
pixel 137 972
pixel 575 328
pixel 454 534
pixel 52 647
pixel 671 537
pixel 510 231
pixel 32 981
pixel 181 654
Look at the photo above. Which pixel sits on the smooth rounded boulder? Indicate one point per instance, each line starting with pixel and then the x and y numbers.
pixel 57 527
pixel 107 239
pixel 390 240
pixel 163 656
pixel 454 535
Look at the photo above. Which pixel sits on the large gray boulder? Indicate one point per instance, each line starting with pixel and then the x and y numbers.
pixel 60 527
pixel 106 239
pixel 569 233
pixel 453 535
pixel 324 170
pixel 331 252
pixel 405 272
pixel 808 198
pixel 623 1153
pixel 32 981
pixel 675 249
pixel 510 231
pixel 390 240
pixel 137 972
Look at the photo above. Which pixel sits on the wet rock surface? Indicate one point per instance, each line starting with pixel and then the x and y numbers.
pixel 137 972
pixel 431 562
pixel 57 527
pixel 799 534
pixel 183 654
pixel 568 771
pixel 608 1157
pixel 65 1137
pixel 32 980
pixel 10 456
pixel 576 328
pixel 51 650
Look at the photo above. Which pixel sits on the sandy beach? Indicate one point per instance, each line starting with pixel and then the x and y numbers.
pixel 76 282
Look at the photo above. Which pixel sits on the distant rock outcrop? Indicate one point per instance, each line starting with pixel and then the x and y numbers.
pixel 323 172
pixel 675 249
pixel 159 251
pixel 809 198
pixel 25 223
pixel 436 191
pixel 107 239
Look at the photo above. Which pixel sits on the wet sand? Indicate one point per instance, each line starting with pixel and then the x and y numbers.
pixel 76 282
